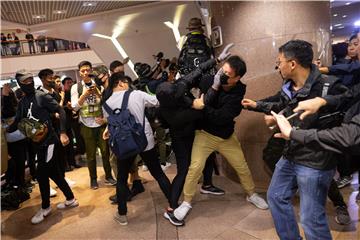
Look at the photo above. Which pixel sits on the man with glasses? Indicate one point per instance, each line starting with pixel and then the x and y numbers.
pixel 308 170
pixel 85 98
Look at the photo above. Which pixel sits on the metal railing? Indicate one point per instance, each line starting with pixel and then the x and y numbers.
pixel 39 46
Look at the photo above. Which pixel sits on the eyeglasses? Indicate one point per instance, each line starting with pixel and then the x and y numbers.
pixel 277 63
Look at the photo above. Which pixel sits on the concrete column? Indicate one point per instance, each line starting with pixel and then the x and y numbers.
pixel 258 29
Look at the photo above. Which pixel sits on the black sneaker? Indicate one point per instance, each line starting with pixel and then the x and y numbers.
pixel 211 190
pixel 110 181
pixel 342 215
pixel 343 181
pixel 93 184
pixel 169 215
pixel 137 188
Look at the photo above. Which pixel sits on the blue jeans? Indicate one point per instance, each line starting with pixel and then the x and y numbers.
pixel 313 187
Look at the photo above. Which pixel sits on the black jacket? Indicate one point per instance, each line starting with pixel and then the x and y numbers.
pixel 43 106
pixel 221 109
pixel 339 139
pixel 294 151
pixel 176 101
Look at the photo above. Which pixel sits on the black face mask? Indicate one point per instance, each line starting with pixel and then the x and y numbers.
pixel 98 81
pixel 28 89
pixel 51 84
pixel 224 79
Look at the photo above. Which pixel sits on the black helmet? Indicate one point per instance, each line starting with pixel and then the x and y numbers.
pixel 142 69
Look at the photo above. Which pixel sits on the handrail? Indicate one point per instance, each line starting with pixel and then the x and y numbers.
pixel 39 46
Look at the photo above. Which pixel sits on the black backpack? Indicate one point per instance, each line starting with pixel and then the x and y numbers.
pixel 194 52
pixel 127 137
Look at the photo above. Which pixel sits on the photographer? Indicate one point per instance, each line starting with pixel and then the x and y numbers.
pixel 85 98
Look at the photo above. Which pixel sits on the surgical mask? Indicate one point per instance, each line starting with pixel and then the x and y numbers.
pixel 224 79
pixel 98 81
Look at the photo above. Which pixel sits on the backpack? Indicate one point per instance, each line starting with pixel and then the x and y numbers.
pixel 194 52
pixel 127 137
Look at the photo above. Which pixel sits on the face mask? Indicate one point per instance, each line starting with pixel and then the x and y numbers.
pixel 28 89
pixel 224 79
pixel 51 84
pixel 98 81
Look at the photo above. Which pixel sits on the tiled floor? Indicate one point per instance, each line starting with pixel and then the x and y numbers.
pixel 212 217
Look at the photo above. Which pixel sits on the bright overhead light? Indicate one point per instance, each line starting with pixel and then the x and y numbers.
pixel 344 16
pixel 59 11
pixel 341 27
pixel 357 23
pixel 337 25
pixel 335 15
pixel 119 48
pixel 38 16
pixel 100 36
pixel 348 3
pixel 331 28
pixel 175 30
pixel 89 4
pixel 169 24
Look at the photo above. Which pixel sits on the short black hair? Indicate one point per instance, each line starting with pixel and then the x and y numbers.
pixel 115 64
pixel 352 37
pixel 44 73
pixel 84 63
pixel 238 64
pixel 66 79
pixel 298 50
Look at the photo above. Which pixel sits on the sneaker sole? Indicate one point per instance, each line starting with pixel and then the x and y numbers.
pixel 109 184
pixel 121 223
pixel 343 185
pixel 260 207
pixel 338 222
pixel 166 216
pixel 209 192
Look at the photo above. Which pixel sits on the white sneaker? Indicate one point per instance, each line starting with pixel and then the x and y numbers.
pixel 39 216
pixel 166 166
pixel 145 168
pixel 258 201
pixel 70 182
pixel 181 211
pixel 68 204
pixel 53 192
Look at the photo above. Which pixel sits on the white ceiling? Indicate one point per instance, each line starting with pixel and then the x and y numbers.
pixel 343 17
pixel 23 11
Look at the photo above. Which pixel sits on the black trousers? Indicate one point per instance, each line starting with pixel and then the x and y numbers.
pixel 152 162
pixel 16 170
pixel 80 143
pixel 335 195
pixel 182 147
pixel 69 152
pixel 46 170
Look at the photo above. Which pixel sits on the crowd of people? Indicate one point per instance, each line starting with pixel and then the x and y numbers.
pixel 12 45
pixel 316 111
